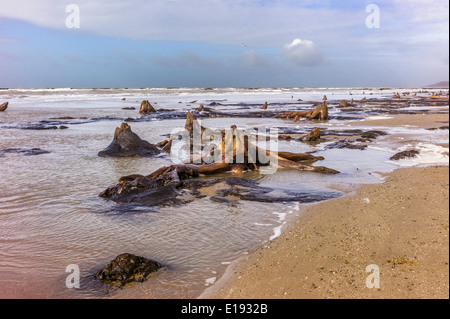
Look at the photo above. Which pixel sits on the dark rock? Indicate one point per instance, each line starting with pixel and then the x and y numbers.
pixel 250 191
pixel 127 268
pixel 129 108
pixel 347 144
pixel 373 134
pixel 127 144
pixel 3 107
pixel 146 107
pixel 446 127
pixel 146 192
pixel 23 151
pixel 404 154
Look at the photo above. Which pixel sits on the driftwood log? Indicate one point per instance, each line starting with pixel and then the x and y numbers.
pixel 319 113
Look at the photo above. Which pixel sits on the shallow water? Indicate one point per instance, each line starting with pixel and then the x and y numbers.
pixel 51 216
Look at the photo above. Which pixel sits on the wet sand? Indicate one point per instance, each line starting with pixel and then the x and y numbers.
pixel 400 225
pixel 427 121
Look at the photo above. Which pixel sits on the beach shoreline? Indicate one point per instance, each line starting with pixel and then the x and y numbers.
pixel 401 226
pixel 324 255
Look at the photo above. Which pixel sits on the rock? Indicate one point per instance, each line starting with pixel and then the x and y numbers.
pixel 397 96
pixel 373 134
pixel 127 144
pixel 129 108
pixel 264 106
pixel 404 154
pixel 144 191
pixel 23 151
pixel 127 268
pixel 347 144
pixel 3 107
pixel 146 107
pixel 250 191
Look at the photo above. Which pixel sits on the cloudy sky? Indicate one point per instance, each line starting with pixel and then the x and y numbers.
pixel 223 43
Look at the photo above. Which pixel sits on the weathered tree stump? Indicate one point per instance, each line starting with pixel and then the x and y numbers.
pixel 314 135
pixel 127 144
pixel 319 113
pixel 146 107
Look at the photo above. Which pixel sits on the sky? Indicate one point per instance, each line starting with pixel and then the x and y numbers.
pixel 223 43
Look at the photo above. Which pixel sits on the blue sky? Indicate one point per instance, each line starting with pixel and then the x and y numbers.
pixel 223 43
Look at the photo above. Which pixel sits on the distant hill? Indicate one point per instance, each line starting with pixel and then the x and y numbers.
pixel 439 85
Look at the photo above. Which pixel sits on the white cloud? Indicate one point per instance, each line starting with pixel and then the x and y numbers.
pixel 210 21
pixel 303 53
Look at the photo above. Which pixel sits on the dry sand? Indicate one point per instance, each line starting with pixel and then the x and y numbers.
pixel 401 225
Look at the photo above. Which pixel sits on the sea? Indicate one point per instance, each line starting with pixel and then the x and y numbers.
pixel 52 220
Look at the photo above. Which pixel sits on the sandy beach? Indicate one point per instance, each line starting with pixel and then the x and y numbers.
pixel 400 225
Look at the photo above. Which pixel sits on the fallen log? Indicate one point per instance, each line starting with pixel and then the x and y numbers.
pixel 300 157
pixel 319 113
